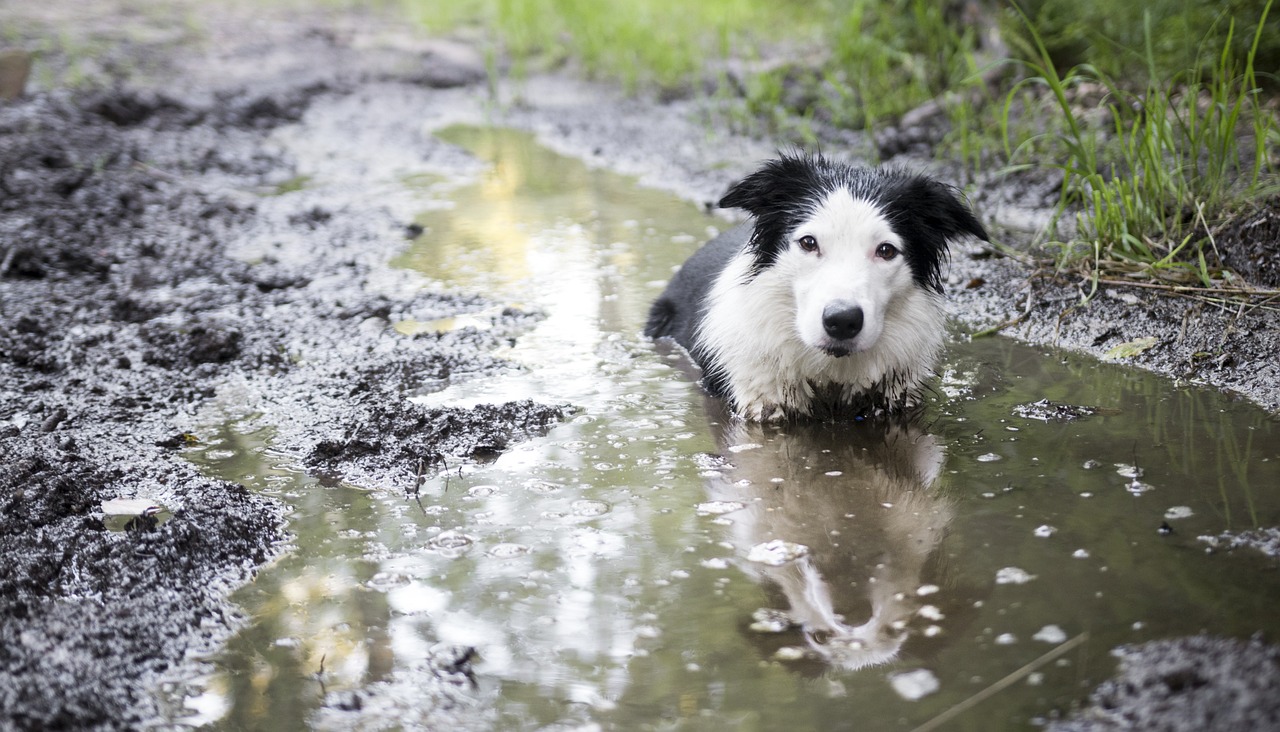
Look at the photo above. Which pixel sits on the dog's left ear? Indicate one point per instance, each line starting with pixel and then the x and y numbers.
pixel 942 209
pixel 929 214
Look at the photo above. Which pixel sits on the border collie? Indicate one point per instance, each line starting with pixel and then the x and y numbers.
pixel 829 301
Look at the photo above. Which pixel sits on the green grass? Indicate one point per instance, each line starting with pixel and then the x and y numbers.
pixel 1149 181
pixel 655 43
pixel 889 56
pixel 1154 112
pixel 858 61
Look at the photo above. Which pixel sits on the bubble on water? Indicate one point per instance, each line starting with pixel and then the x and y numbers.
pixel 1045 531
pixel 648 631
pixel 1091 464
pixel 933 631
pixel 679 574
pixel 923 590
pixel 1080 554
pixel 451 543
pixel 777 552
pixel 715 563
pixel 707 461
pixel 482 491
pixel 542 487
pixel 1050 634
pixel 588 508
pixel 930 612
pixel 1178 512
pixel 1006 639
pixel 1035 679
pixel 507 551
pixel 914 685
pixel 989 457
pixel 1137 487
pixel 770 620
pixel 1013 576
pixel 834 473
pixel 744 447
pixel 717 508
pixel 1128 471
pixel 789 653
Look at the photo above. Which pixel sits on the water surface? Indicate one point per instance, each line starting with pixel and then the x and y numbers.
pixel 650 564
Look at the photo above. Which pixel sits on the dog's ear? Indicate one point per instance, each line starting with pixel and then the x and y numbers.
pixel 771 195
pixel 941 208
pixel 929 214
pixel 777 183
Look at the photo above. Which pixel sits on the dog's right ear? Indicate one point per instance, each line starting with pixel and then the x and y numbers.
pixel 770 195
pixel 777 183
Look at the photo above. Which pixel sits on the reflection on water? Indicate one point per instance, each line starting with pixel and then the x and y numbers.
pixel 842 521
pixel 646 566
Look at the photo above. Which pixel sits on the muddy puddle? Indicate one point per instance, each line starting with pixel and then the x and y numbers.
pixel 649 564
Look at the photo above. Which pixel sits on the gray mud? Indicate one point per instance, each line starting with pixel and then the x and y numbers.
pixel 148 276
pixel 1191 684
pixel 123 311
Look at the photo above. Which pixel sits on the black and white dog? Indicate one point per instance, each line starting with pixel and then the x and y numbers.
pixel 829 300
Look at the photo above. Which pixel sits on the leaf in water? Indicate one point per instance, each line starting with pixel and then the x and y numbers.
pixel 1132 348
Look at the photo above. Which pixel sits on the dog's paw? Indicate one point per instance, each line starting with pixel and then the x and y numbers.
pixel 763 412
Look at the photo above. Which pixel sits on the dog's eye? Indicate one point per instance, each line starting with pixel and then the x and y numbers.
pixel 886 251
pixel 808 243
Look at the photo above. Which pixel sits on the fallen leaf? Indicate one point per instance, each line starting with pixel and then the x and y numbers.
pixel 1131 348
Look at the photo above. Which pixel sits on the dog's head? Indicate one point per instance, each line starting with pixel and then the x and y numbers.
pixel 851 242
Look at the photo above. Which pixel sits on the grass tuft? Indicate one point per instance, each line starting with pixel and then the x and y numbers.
pixel 1165 165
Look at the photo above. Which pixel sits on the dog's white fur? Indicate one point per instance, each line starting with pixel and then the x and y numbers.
pixel 770 325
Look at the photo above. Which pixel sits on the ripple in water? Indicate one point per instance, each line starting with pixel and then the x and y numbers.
pixel 451 543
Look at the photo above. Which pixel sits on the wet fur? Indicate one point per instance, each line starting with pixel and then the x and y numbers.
pixel 751 305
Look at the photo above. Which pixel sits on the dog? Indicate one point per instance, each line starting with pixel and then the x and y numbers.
pixel 829 300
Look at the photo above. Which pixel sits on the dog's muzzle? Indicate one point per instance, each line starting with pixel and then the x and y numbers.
pixel 842 322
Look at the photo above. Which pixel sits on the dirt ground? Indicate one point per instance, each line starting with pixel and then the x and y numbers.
pixel 143 271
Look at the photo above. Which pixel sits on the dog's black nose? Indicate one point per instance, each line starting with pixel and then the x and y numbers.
pixel 842 320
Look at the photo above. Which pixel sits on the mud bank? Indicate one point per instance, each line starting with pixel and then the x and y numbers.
pixel 124 317
pixel 152 285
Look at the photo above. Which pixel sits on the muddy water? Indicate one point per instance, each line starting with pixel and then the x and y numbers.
pixel 649 564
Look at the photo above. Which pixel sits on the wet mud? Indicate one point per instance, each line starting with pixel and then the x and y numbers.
pixel 122 312
pixel 149 275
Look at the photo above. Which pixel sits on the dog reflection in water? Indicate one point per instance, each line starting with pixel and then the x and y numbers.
pixel 843 520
